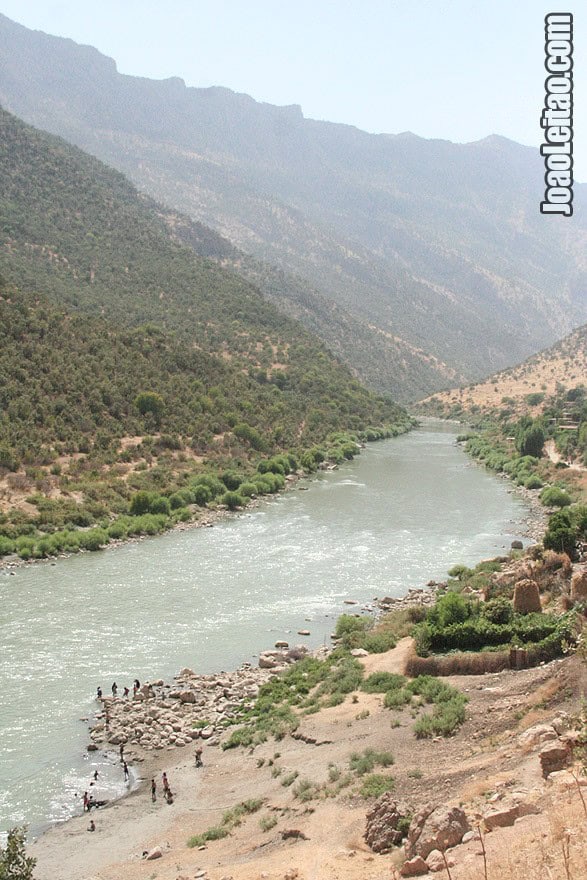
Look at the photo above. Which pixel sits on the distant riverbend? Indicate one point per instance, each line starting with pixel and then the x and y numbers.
pixel 401 513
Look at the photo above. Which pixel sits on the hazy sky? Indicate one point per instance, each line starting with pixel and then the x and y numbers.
pixel 456 69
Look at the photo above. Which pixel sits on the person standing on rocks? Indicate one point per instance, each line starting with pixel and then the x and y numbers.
pixel 126 692
pixel 125 769
pixel 114 689
pixel 153 790
pixel 98 693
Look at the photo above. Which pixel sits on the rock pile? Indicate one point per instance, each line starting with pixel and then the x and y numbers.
pixel 173 715
pixel 414 596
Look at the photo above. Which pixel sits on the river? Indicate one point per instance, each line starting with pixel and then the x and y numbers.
pixel 401 513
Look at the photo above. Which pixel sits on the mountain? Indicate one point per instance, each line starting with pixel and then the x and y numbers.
pixel 524 388
pixel 128 363
pixel 436 250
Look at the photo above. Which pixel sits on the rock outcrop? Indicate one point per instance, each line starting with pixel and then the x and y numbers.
pixel 526 597
pixel 435 827
pixel 382 823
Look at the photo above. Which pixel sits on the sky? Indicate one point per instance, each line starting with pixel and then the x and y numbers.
pixel 454 69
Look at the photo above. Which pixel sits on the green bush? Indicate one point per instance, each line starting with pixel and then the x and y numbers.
pixel 533 482
pixel 231 480
pixel 381 682
pixel 6 546
pixel 248 490
pixel 376 784
pixel 232 500
pixel 552 496
pixel 499 610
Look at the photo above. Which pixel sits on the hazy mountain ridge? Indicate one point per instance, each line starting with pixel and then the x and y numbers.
pixel 439 245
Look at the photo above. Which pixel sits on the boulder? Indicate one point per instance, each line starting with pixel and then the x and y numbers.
pixel 501 818
pixel 267 662
pixel 435 861
pixel 187 697
pixel 383 819
pixel 517 545
pixel 281 644
pixel 554 757
pixel 155 853
pixel 539 733
pixel 414 867
pixel 359 652
pixel 437 827
pixel 526 597
pixel 579 586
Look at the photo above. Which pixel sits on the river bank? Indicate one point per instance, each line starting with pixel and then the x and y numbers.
pixel 281 834
pixel 399 515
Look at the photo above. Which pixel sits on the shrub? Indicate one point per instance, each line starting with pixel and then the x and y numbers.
pixel 449 609
pixel 396 699
pixel 498 610
pixel 248 490
pixel 211 482
pixel 381 682
pixel 232 500
pixel 231 480
pixel 202 495
pixel 267 823
pixel 95 539
pixel 368 760
pixel 444 720
pixel 533 482
pixel 376 784
pixel 217 832
pixel 6 546
pixel 553 496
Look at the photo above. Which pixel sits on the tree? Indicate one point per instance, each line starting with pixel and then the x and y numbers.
pixel 149 402
pixel 14 862
pixel 529 438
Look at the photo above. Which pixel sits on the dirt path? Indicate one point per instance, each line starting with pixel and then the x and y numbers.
pixel 391 661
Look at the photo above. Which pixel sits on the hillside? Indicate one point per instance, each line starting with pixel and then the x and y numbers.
pixel 384 362
pixel 434 247
pixel 129 364
pixel 525 388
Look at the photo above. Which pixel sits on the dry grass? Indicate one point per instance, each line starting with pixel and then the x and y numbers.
pixel 458 664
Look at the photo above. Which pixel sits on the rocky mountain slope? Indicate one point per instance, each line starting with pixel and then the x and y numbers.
pixel 436 248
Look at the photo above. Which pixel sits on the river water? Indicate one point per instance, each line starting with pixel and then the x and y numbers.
pixel 401 513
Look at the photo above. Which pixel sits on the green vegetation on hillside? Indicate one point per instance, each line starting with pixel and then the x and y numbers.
pixel 139 382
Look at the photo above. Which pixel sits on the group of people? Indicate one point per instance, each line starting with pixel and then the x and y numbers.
pixel 136 686
pixel 167 793
pixel 90 801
